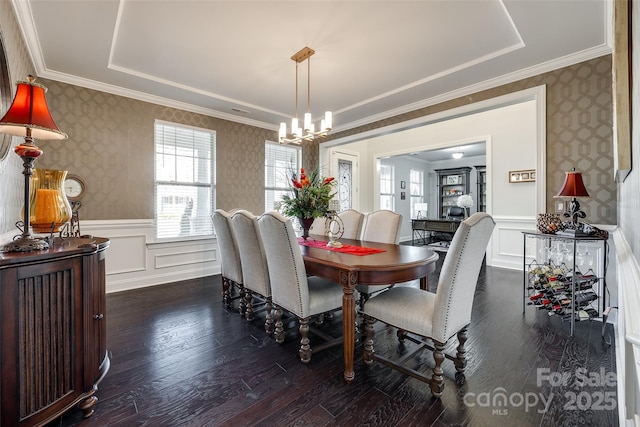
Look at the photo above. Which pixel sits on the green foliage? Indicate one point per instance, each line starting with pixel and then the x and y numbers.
pixel 310 195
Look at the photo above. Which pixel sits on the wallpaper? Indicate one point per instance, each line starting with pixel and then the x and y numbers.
pixel 579 130
pixel 111 148
pixel 20 66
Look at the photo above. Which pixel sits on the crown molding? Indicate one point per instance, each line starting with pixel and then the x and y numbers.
pixel 535 70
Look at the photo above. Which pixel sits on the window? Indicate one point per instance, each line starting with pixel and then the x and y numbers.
pixel 184 180
pixel 279 162
pixel 416 189
pixel 387 197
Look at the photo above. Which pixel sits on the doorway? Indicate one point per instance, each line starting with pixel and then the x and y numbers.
pixel 345 168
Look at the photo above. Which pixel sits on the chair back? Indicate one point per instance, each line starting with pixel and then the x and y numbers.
pixel 229 255
pixel 319 226
pixel 382 226
pixel 459 275
pixel 455 212
pixel 288 276
pixel 352 222
pixel 255 273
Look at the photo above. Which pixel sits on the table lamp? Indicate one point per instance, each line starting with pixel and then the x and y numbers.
pixel 573 187
pixel 29 117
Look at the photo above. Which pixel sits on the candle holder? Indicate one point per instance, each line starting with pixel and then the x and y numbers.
pixel 49 208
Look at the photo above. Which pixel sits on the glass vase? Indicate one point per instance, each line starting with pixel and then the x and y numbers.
pixel 49 208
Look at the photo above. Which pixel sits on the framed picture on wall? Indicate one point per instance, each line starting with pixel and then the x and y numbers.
pixel 528 175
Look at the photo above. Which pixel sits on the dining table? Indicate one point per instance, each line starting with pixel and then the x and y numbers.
pixel 360 262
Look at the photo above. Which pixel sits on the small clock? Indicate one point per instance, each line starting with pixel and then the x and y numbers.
pixel 74 188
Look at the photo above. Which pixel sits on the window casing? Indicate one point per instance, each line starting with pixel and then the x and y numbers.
pixel 279 161
pixel 416 189
pixel 184 180
pixel 387 196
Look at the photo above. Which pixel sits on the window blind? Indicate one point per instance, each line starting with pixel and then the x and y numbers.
pixel 184 180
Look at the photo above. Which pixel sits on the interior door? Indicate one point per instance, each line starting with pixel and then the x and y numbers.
pixel 344 167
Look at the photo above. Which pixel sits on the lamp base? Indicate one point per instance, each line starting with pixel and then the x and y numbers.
pixel 26 244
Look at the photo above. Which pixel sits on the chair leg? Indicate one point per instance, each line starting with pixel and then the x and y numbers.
pixel 279 329
pixel 243 304
pixel 367 353
pixel 305 349
pixel 268 323
pixel 461 354
pixel 248 313
pixel 226 293
pixel 437 381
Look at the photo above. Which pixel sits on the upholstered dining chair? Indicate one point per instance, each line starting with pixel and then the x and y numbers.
pixel 229 257
pixel 435 316
pixel 291 289
pixel 352 223
pixel 381 226
pixel 255 272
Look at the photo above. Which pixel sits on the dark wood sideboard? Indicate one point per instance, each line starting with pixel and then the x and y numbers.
pixel 53 350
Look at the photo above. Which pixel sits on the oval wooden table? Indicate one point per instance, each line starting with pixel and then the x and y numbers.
pixel 397 264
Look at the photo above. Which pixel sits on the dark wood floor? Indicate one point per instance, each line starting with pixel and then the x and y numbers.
pixel 180 359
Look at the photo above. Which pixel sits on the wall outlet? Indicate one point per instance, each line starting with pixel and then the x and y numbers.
pixel 560 206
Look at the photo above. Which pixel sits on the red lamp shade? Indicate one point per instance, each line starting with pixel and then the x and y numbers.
pixel 573 186
pixel 29 114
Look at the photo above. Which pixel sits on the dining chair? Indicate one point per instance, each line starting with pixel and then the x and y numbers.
pixel 229 258
pixel 255 273
pixel 319 226
pixel 352 223
pixel 381 226
pixel 291 289
pixel 435 316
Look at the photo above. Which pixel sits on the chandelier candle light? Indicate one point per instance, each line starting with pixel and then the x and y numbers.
pixel 29 117
pixel 307 132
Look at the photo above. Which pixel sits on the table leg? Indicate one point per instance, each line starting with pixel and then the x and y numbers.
pixel 348 280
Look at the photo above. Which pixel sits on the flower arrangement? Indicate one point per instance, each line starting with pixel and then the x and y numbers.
pixel 311 195
pixel 465 201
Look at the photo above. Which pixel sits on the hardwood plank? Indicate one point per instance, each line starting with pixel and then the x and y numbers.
pixel 180 359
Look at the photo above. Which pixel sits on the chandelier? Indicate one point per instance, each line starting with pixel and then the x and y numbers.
pixel 307 132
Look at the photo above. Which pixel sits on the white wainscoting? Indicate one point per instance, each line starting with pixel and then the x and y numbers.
pixel 134 260
pixel 506 246
pixel 627 332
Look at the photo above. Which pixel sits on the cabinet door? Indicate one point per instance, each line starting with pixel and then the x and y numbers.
pixel 41 322
pixel 95 303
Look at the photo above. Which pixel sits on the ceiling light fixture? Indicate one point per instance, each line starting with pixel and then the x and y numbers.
pixel 307 132
pixel 457 155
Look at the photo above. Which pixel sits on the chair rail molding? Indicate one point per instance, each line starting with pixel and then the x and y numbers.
pixel 136 260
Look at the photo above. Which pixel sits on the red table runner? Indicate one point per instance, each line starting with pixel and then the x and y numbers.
pixel 348 249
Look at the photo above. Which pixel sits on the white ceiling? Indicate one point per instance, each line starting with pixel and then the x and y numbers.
pixel 374 59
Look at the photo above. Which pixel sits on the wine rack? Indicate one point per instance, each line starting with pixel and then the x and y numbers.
pixel 563 278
